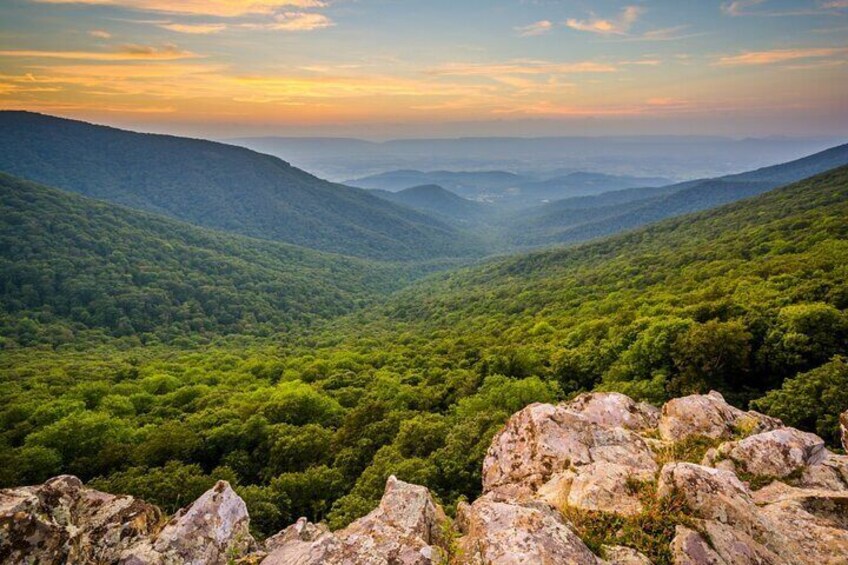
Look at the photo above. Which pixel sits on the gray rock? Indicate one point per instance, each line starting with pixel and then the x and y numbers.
pixel 211 530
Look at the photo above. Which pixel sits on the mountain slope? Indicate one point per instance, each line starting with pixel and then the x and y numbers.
pixel 573 314
pixel 579 219
pixel 219 186
pixel 468 184
pixel 585 184
pixel 71 263
pixel 434 199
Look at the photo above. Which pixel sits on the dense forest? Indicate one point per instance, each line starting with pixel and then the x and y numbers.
pixel 74 269
pixel 749 299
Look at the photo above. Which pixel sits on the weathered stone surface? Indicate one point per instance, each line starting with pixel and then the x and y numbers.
pixel 621 555
pixel 62 521
pixel 812 524
pixel 720 544
pixel 830 473
pixel 615 410
pixel 542 440
pixel 843 428
pixel 598 486
pixel 503 533
pixel 735 547
pixel 690 548
pixel 777 453
pixel 712 494
pixel 212 529
pixel 405 529
pixel 710 416
pixel 303 530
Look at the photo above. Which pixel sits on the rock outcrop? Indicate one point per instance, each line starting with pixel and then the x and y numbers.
pixel 62 521
pixel 507 533
pixel 709 416
pixel 212 529
pixel 407 528
pixel 600 466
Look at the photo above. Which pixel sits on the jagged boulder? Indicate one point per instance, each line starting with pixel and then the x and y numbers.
pixel 777 454
pixel 212 529
pixel 615 410
pixel 62 521
pixel 498 532
pixel 405 529
pixel 543 440
pixel 708 415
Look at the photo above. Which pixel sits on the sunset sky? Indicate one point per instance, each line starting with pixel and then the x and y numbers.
pixel 379 68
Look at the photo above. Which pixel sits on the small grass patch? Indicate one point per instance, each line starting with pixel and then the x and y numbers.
pixel 689 450
pixel 649 532
pixel 756 482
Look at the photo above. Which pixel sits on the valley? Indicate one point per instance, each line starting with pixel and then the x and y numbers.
pixel 154 357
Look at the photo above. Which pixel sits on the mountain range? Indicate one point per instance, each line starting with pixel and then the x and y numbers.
pixel 219 186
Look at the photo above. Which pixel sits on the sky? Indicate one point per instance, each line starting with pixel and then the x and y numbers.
pixel 423 68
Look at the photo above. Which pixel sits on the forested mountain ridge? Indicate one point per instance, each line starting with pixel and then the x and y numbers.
pixel 219 186
pixel 749 299
pixel 438 201
pixel 71 264
pixel 563 222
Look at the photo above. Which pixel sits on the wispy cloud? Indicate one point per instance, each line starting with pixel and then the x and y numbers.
pixel 524 67
pixel 221 8
pixel 194 29
pixel 124 53
pixel 760 8
pixel 739 7
pixel 617 26
pixel 100 34
pixel 300 21
pixel 778 56
pixel 536 28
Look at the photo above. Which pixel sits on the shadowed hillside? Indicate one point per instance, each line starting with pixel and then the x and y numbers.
pixel 219 186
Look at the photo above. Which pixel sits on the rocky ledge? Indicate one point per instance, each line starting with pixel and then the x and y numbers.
pixel 598 480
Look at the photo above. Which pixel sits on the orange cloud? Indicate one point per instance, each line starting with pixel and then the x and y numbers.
pixel 300 21
pixel 778 56
pixel 126 53
pixel 194 29
pixel 222 8
pixel 523 67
